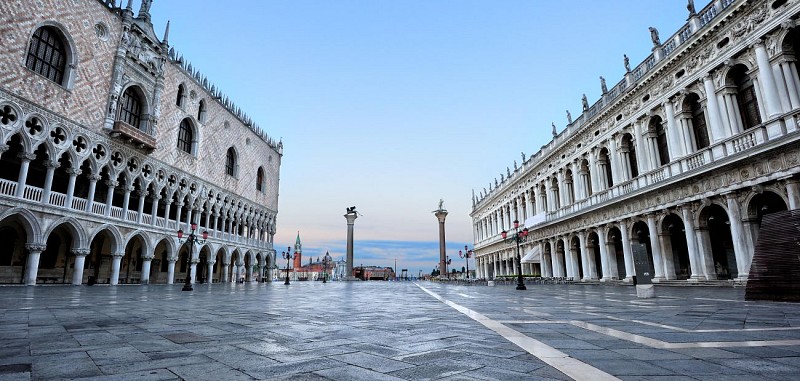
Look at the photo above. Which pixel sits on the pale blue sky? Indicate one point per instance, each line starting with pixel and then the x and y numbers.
pixel 392 105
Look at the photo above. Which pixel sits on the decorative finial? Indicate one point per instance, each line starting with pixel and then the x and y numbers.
pixel 166 34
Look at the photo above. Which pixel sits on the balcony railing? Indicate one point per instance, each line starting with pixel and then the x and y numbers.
pixel 8 188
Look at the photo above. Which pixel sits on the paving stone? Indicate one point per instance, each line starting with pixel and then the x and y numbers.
pixel 372 362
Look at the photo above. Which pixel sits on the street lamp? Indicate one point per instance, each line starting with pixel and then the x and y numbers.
pixel 191 240
pixel 326 261
pixel 466 255
pixel 287 255
pixel 519 236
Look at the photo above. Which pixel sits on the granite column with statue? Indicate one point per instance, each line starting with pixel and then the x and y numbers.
pixel 351 219
pixel 441 214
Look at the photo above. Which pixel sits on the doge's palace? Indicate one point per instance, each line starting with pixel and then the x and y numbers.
pixel 112 142
pixel 683 155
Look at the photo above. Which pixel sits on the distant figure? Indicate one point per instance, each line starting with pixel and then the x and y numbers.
pixel 508 171
pixel 654 37
pixel 690 7
pixel 554 130
pixel 441 204
pixel 523 157
pixel 351 209
pixel 569 117
pixel 585 103
pixel 603 85
pixel 627 63
pixel 515 165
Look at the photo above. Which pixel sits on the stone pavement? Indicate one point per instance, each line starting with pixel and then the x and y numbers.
pixel 393 331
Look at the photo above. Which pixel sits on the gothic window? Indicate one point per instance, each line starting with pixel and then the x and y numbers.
pixel 230 162
pixel 131 108
pixel 746 97
pixel 201 111
pixel 181 96
pixel 698 122
pixel 185 136
pixel 260 179
pixel 47 54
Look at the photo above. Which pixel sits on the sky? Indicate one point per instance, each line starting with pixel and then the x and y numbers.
pixel 391 106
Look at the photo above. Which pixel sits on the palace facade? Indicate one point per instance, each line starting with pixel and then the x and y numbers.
pixel 111 143
pixel 682 157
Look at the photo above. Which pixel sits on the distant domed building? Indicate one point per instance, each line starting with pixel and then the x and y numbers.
pixel 678 161
pixel 111 143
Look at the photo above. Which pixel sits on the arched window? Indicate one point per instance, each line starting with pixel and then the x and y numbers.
pixel 181 96
pixel 698 121
pixel 230 162
pixel 605 166
pixel 746 97
pixel 130 108
pixel 629 149
pixel 201 111
pixel 657 126
pixel 185 136
pixel 47 54
pixel 260 179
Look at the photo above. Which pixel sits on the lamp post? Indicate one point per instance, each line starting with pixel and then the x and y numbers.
pixel 519 236
pixel 466 255
pixel 191 240
pixel 287 255
pixel 326 260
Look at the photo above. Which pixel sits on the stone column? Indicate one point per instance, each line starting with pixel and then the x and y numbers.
pixel 593 168
pixel 772 101
pixel 146 262
pixel 627 253
pixel 171 269
pixel 584 254
pixel 743 253
pixel 641 154
pixel 140 207
pixel 48 180
pixel 658 263
pixel 793 193
pixel 32 263
pixel 110 196
pixel 703 239
pixel 351 219
pixel 80 260
pixel 673 135
pixel 116 258
pixel 788 78
pixel 73 174
pixel 225 270
pixel 691 244
pixel 613 157
pixel 717 129
pixel 25 161
pixel 210 270
pixel 607 264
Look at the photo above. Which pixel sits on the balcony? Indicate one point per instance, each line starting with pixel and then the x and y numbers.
pixel 133 136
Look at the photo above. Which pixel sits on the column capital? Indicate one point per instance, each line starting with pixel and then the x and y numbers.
pixel 51 164
pixel 35 247
pixel 94 178
pixel 112 183
pixel 74 171
pixel 4 147
pixel 27 156
pixel 118 255
pixel 80 252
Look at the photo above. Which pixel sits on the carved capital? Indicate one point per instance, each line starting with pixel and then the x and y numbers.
pixel 94 178
pixel 26 156
pixel 74 171
pixel 51 164
pixel 112 183
pixel 118 255
pixel 35 248
pixel 80 252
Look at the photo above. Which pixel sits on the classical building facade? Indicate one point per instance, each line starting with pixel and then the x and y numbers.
pixel 111 143
pixel 684 156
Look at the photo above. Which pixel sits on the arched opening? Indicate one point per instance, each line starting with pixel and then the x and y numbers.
pixel 543 198
pixel 248 267
pixel 617 250
pixel 556 193
pixel 218 267
pixel 745 96
pixel 715 218
pixel 11 163
pixel 586 178
pixel 98 262
pixel 562 260
pixel 577 257
pixel 180 101
pixel 641 236
pixel 569 185
pixel 160 267
pixel 547 257
pixel 201 111
pixel 49 55
pixel 657 129
pixel 131 264
pixel 131 108
pixel 604 161
pixel 676 249
pixel 202 266
pixel 760 205
pixel 13 257
pixel 186 136
pixel 231 162
pixel 697 121
pixel 258 267
pixel 56 259
pixel 628 150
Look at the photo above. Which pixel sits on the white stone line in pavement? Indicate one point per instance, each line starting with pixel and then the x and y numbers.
pixel 659 344
pixel 679 329
pixel 570 366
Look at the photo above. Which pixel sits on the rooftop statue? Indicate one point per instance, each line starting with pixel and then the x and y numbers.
pixel 569 117
pixel 654 37
pixel 627 63
pixel 554 130
pixel 585 103
pixel 603 85
pixel 691 9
